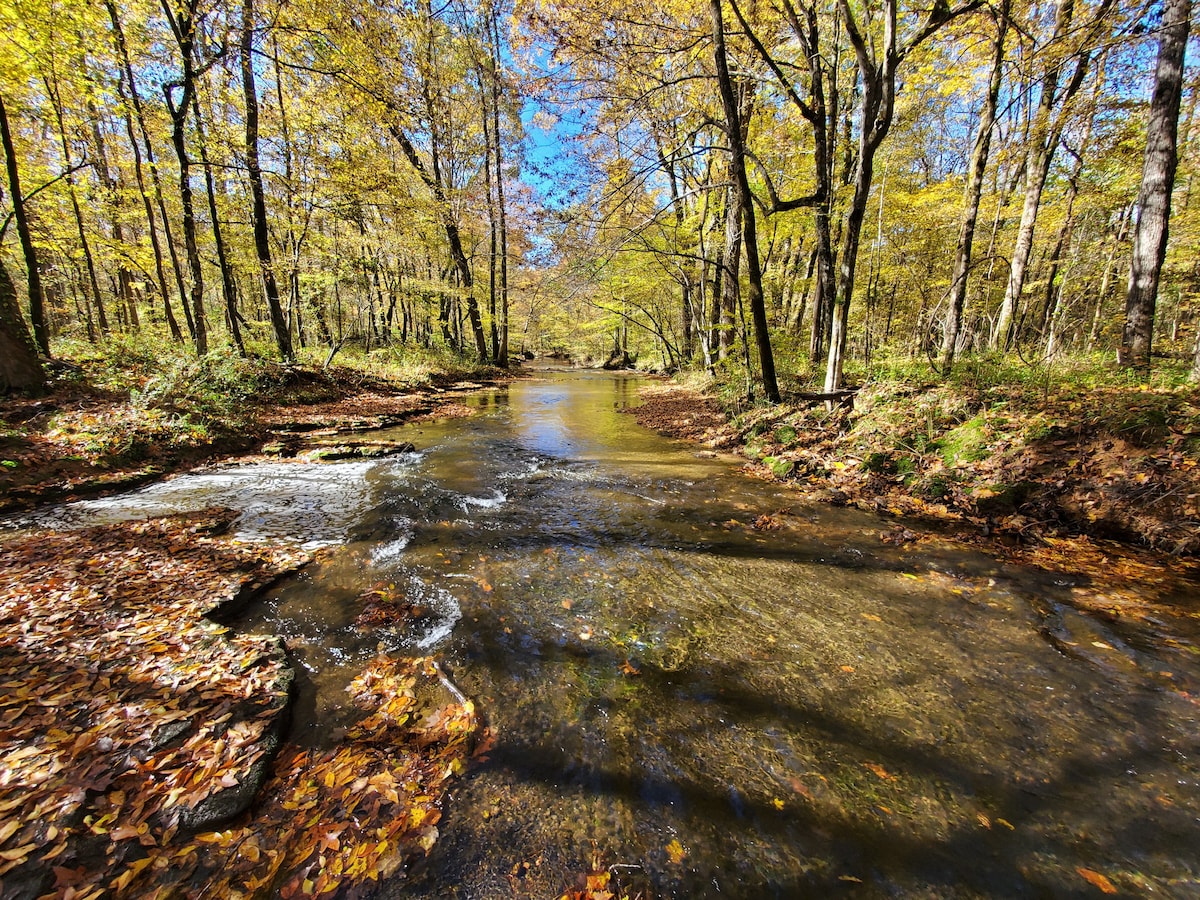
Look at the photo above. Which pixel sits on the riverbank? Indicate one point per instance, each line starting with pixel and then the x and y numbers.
pixel 1104 486
pixel 89 437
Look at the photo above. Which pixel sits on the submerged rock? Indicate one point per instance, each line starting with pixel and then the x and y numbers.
pixel 358 450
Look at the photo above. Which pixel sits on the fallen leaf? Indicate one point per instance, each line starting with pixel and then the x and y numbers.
pixel 675 852
pixel 879 770
pixel 1096 880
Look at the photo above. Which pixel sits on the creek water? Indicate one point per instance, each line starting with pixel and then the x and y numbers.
pixel 715 709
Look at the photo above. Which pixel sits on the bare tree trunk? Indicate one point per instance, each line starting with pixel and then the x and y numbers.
pixel 20 368
pixel 502 352
pixel 136 102
pixel 973 194
pixel 745 202
pixel 228 285
pixel 1158 178
pixel 262 238
pixel 1046 132
pixel 183 24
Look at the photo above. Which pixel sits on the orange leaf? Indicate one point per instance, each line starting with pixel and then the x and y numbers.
pixel 1096 880
pixel 880 771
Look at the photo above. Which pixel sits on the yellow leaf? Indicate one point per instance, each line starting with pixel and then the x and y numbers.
pixel 675 851
pixel 777 803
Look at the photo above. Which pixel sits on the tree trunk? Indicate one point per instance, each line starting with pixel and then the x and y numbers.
pixel 20 368
pixel 84 244
pixel 972 195
pixel 228 285
pixel 136 102
pixel 502 352
pixel 37 299
pixel 262 238
pixel 1045 134
pixel 745 202
pixel 1158 178
pixel 182 23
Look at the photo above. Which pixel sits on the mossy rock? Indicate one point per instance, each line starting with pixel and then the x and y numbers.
pixel 753 450
pixel 780 467
pixel 785 434
pixel 967 442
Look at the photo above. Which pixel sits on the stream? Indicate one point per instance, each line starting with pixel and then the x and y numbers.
pixel 713 687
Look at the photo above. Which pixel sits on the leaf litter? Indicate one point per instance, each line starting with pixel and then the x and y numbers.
pixel 140 739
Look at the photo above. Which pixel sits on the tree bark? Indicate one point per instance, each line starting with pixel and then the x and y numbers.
pixel 1158 178
pixel 37 299
pixel 262 239
pixel 183 24
pixel 973 193
pixel 20 368
pixel 745 203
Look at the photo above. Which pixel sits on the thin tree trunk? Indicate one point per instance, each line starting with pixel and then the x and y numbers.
pixel 1045 134
pixel 262 239
pixel 135 100
pixel 500 206
pixel 84 245
pixel 182 22
pixel 745 202
pixel 228 284
pixel 973 193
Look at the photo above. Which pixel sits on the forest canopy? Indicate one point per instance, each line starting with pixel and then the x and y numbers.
pixel 773 191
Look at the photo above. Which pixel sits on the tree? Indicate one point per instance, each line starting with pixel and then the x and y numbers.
pixel 20 368
pixel 973 192
pixel 37 301
pixel 879 59
pixel 262 240
pixel 183 27
pixel 1069 42
pixel 1158 180
pixel 745 207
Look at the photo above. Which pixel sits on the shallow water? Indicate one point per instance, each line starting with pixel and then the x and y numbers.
pixel 719 710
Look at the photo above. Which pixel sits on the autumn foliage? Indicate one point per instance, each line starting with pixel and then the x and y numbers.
pixel 140 740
